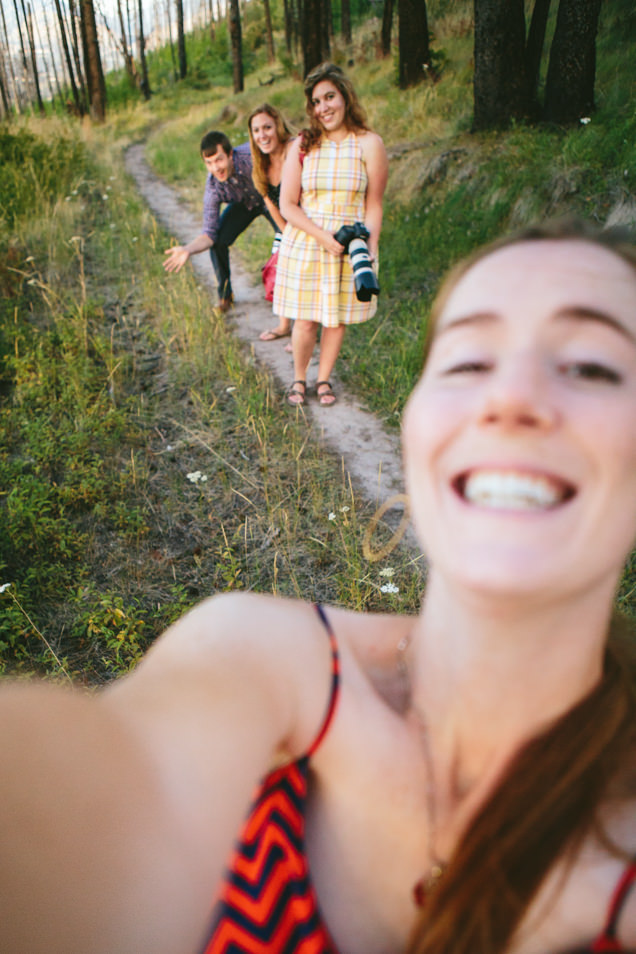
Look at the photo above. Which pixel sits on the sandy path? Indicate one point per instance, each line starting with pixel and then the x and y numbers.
pixel 371 455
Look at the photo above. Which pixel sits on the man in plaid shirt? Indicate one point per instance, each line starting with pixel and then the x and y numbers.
pixel 229 181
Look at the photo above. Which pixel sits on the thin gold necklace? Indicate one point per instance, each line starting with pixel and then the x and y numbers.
pixel 424 885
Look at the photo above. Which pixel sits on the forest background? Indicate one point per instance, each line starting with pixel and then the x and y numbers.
pixel 145 460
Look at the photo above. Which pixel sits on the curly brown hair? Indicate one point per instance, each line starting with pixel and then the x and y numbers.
pixel 355 116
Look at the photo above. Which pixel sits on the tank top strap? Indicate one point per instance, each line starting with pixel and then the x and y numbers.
pixel 607 940
pixel 335 681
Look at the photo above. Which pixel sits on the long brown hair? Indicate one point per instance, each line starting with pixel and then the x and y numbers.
pixel 355 116
pixel 549 799
pixel 260 161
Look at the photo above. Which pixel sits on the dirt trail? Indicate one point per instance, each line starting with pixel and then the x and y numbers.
pixel 371 454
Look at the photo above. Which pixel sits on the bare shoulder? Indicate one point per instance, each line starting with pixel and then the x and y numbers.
pixel 371 143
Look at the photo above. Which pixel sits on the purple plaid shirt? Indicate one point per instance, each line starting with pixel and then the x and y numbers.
pixel 238 188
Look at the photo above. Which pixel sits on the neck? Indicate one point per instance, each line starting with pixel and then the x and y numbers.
pixel 485 676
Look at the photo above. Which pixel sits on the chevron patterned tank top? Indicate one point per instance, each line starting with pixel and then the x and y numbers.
pixel 268 904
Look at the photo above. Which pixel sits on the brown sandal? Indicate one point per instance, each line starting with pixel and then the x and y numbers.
pixel 327 396
pixel 296 393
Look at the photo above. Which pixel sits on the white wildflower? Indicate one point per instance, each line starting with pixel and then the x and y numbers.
pixel 387 571
pixel 4 586
pixel 389 588
pixel 584 120
pixel 195 476
pixel 331 516
pixel 135 239
pixel 229 390
pixel 105 196
pixel 344 509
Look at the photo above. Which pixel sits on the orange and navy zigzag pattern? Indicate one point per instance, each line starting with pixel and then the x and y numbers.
pixel 268 904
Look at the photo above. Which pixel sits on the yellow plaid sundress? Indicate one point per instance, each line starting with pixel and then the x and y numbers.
pixel 310 282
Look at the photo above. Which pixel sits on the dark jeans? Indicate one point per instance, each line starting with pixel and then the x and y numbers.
pixel 234 219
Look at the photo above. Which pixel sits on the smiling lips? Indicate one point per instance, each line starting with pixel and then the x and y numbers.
pixel 512 490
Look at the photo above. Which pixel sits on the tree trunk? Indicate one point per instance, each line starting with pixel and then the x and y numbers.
pixel 327 36
pixel 289 24
pixel 129 63
pixel 171 42
pixel 181 47
pixel 25 69
pixel 534 46
pixel 269 34
pixel 313 30
pixel 78 66
pixel 500 86
pixel 345 13
pixel 414 50
pixel 212 22
pixel 387 23
pixel 4 96
pixel 34 65
pixel 141 39
pixel 569 93
pixel 8 59
pixel 234 15
pixel 67 55
pixel 92 62
pixel 56 76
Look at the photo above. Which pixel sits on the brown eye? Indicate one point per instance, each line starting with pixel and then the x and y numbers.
pixel 469 367
pixel 591 371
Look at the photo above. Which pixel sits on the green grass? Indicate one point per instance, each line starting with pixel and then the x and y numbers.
pixel 116 384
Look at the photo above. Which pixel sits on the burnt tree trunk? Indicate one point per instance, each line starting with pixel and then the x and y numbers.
pixel 269 33
pixel 500 87
pixel 181 46
pixel 129 63
pixel 141 39
pixel 345 12
pixel 414 49
pixel 92 62
pixel 534 46
pixel 569 92
pixel 28 20
pixel 69 63
pixel 387 23
pixel 234 15
pixel 314 34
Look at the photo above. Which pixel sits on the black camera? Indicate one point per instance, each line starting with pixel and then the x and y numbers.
pixel 354 238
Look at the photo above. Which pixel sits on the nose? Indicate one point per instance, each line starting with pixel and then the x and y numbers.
pixel 518 395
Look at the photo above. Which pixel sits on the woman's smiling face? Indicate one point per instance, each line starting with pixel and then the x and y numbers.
pixel 329 106
pixel 520 438
pixel 264 133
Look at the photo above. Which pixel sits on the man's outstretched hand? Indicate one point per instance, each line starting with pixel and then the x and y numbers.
pixel 177 257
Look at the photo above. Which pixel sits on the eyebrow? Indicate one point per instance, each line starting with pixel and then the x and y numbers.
pixel 585 313
pixel 580 313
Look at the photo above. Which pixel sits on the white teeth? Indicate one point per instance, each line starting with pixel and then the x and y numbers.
pixel 511 491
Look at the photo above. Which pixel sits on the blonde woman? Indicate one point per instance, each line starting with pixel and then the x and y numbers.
pixel 270 138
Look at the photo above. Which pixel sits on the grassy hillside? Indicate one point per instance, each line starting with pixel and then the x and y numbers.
pixel 117 386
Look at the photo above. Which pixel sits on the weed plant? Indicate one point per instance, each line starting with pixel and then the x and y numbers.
pixel 146 463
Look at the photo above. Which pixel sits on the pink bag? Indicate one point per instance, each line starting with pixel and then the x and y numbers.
pixel 269 276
